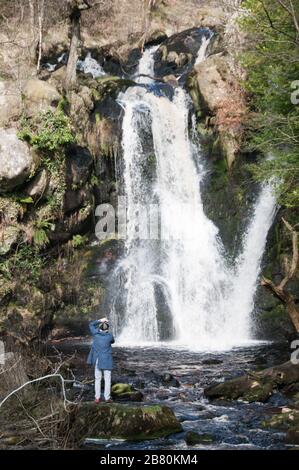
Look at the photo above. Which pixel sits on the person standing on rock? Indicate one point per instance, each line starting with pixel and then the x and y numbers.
pixel 100 356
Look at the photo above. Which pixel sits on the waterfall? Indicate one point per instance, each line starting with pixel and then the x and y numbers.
pixel 248 263
pixel 177 285
pixel 90 65
pixel 201 55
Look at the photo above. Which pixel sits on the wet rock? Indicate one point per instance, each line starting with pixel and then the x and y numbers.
pixel 17 160
pixel 178 52
pixel 126 392
pixel 169 379
pixel 192 438
pixel 78 165
pixel 73 199
pixel 293 436
pixel 108 421
pixel 39 96
pixel 286 420
pixel 211 362
pixel 155 37
pixel 244 387
pixel 256 386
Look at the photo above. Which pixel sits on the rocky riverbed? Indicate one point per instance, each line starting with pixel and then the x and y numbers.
pixel 177 378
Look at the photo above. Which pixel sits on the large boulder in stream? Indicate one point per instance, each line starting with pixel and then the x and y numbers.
pixel 255 386
pixel 119 421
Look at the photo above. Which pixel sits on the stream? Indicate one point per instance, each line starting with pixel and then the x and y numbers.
pixel 230 425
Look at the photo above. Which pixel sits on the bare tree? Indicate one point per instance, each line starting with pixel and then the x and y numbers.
pixel 75 9
pixel 290 269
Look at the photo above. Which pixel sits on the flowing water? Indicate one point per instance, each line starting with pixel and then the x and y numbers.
pixel 229 424
pixel 177 285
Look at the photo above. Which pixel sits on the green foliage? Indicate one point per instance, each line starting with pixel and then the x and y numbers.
pixel 272 66
pixel 40 237
pixel 48 131
pixel 26 262
pixel 26 200
pixel 78 241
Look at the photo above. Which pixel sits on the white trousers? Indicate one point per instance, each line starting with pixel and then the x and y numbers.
pixel 98 381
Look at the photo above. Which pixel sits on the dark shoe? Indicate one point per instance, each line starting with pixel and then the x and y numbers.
pixel 109 401
pixel 98 400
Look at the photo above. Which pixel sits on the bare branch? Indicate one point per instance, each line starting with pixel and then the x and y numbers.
pixel 290 271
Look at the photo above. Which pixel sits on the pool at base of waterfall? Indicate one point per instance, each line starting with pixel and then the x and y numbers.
pixel 177 378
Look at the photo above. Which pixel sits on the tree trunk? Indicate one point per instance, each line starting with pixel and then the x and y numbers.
pixel 290 272
pixel 13 375
pixel 71 69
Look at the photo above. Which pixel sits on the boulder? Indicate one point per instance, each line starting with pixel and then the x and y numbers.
pixel 38 185
pixel 39 96
pixel 126 392
pixel 255 386
pixel 155 37
pixel 9 235
pixel 118 421
pixel 74 199
pixel 192 438
pixel 170 380
pixel 78 165
pixel 10 102
pixel 178 51
pixel 17 160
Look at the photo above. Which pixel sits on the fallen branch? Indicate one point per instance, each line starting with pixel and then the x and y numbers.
pixel 39 379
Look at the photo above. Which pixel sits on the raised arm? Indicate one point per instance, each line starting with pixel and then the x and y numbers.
pixel 93 326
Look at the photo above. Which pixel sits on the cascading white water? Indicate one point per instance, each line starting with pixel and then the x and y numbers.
pixel 87 65
pixel 209 303
pixel 90 65
pixel 201 55
pixel 248 264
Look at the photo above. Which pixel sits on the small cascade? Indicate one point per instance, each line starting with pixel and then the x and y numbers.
pixel 90 65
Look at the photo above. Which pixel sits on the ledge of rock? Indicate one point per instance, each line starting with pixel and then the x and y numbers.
pixel 216 93
pixel 256 386
pixel 119 421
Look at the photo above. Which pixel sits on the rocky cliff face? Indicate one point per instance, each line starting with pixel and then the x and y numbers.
pixel 57 153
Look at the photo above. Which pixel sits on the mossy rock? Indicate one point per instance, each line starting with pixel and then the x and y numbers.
pixel 109 85
pixel 243 387
pixel 256 386
pixel 120 388
pixel 118 421
pixel 126 392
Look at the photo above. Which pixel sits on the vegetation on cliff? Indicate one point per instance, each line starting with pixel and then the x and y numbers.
pixel 272 68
